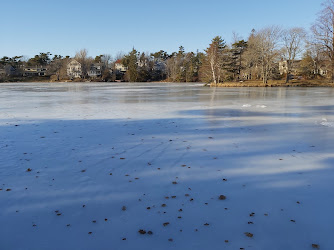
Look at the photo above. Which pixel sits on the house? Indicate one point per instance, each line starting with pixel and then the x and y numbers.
pixel 8 70
pixel 2 71
pixel 34 71
pixel 159 65
pixel 96 70
pixel 322 71
pixel 120 67
pixel 74 69
pixel 283 67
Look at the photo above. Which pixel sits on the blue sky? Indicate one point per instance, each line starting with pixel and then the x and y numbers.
pixel 102 26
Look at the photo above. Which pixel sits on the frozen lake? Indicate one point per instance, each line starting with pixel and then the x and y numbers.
pixel 86 166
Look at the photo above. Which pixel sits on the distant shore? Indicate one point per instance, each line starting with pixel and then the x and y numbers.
pixel 272 83
pixel 280 83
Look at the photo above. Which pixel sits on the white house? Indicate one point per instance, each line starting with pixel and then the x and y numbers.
pixel 119 66
pixel 283 67
pixel 74 69
pixel 34 71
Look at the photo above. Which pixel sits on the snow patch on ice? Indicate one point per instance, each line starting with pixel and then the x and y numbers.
pixel 327 124
pixel 246 105
pixel 257 106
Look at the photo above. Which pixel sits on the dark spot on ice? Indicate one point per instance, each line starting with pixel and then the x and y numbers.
pixel 250 235
pixel 222 197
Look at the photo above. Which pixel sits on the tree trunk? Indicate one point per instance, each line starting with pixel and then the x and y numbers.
pixel 287 72
pixel 213 74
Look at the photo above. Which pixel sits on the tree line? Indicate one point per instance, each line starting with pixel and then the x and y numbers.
pixel 306 54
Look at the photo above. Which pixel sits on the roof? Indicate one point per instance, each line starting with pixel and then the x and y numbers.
pixel 73 61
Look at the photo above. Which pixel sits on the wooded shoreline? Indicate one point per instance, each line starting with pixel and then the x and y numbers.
pixel 272 84
pixel 241 84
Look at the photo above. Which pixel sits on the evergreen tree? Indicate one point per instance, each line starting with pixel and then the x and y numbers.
pixel 214 59
pixel 130 61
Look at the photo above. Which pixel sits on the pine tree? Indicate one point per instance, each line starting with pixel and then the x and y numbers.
pixel 214 58
pixel 130 61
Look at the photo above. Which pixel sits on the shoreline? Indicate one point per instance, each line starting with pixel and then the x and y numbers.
pixel 272 84
pixel 246 84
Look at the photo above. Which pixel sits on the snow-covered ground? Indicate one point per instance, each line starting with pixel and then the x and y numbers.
pixel 87 166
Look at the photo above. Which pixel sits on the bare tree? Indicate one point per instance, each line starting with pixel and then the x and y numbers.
pixel 266 46
pixel 292 47
pixel 323 31
pixel 106 60
pixel 313 60
pixel 251 59
pixel 85 61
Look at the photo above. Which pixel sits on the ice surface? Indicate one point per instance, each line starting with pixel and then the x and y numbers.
pixel 82 163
